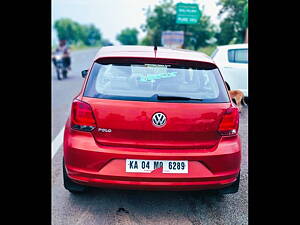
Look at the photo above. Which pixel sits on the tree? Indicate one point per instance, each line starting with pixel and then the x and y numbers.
pixel 92 35
pixel 245 15
pixel 227 32
pixel 200 33
pixel 147 40
pixel 128 36
pixel 67 30
pixel 74 32
pixel 233 26
pixel 163 18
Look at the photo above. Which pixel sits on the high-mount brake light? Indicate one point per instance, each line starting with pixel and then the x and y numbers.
pixel 82 117
pixel 230 122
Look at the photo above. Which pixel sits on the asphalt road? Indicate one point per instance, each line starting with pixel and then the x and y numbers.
pixel 103 206
pixel 63 91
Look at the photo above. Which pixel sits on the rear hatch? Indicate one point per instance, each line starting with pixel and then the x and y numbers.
pixel 129 124
pixel 190 99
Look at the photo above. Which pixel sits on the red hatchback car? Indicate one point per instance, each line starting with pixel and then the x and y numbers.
pixel 152 119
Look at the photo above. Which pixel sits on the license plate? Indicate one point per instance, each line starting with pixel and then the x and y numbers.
pixel 147 166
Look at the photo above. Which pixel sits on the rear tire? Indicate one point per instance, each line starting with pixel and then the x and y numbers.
pixel 64 72
pixel 234 188
pixel 58 74
pixel 70 185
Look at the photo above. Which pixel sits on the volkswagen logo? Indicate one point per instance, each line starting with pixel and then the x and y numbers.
pixel 159 119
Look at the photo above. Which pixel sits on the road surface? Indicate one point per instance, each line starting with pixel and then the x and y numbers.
pixel 101 206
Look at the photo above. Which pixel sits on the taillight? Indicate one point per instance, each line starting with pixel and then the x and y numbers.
pixel 230 122
pixel 82 117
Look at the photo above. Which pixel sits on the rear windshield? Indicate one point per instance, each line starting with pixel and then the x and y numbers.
pixel 149 82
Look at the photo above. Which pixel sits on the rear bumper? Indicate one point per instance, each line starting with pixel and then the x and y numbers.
pixel 92 165
pixel 150 185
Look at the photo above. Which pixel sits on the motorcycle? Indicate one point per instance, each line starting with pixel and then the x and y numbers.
pixel 60 66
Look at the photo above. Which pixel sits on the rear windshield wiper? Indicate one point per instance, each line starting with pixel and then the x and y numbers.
pixel 163 97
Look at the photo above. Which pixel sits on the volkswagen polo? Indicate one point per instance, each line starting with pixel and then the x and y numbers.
pixel 152 119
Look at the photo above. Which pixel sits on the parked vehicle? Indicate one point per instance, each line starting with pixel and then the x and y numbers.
pixel 152 120
pixel 232 61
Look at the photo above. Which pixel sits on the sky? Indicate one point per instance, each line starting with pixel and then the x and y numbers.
pixel 111 16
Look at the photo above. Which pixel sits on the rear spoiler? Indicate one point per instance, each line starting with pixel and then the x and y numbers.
pixel 149 60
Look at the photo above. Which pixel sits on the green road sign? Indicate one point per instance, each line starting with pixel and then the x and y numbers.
pixel 187 13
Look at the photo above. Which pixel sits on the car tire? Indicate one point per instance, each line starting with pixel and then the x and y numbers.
pixel 70 185
pixel 64 73
pixel 234 188
pixel 58 74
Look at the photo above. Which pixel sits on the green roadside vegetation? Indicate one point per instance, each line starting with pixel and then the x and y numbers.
pixel 203 36
pixel 79 36
pixel 80 47
pixel 208 50
pixel 77 47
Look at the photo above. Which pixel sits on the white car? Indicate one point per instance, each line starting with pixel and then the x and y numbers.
pixel 232 61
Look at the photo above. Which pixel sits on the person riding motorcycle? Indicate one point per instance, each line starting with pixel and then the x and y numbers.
pixel 64 49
